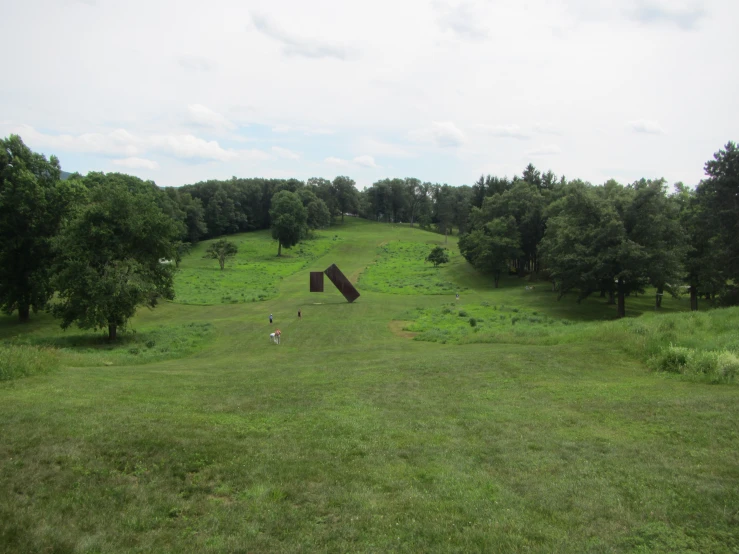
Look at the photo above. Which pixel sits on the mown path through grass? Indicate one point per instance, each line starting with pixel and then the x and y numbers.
pixel 347 437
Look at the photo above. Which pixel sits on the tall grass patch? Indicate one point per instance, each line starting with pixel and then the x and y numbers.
pixel 24 360
pixel 253 275
pixel 700 345
pixel 134 347
pixel 400 268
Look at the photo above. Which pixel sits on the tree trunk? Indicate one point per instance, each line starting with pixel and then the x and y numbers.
pixel 342 216
pixel 621 310
pixel 222 262
pixel 496 278
pixel 279 248
pixel 112 328
pixel 693 298
pixel 602 293
pixel 658 300
pixel 24 313
pixel 611 298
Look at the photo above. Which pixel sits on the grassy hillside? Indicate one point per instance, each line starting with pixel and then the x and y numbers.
pixel 388 424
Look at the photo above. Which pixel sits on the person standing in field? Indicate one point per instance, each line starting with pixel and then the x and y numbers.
pixel 270 319
pixel 300 314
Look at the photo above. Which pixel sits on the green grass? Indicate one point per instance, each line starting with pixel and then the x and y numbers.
pixel 22 361
pixel 401 268
pixel 349 436
pixel 253 275
pixel 700 345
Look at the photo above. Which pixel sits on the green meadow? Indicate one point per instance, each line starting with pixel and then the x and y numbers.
pixel 408 421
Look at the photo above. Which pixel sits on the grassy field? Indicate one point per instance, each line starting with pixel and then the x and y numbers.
pixel 363 431
pixel 253 275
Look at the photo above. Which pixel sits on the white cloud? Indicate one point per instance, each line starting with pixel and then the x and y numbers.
pixel 548 150
pixel 685 15
pixel 365 161
pixel 317 131
pixel 254 155
pixel 293 45
pixel 204 116
pixel 452 63
pixel 137 163
pixel 336 161
pixel 191 147
pixel 443 134
pixel 359 161
pixel 646 126
pixel 116 143
pixel 462 19
pixel 505 131
pixel 120 141
pixel 285 153
pixel 385 149
pixel 308 131
pixel 547 129
pixel 196 63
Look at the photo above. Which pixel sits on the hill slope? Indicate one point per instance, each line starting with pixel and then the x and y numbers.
pixel 351 436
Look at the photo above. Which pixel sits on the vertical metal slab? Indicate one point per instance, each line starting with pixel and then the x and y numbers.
pixel 316 281
pixel 342 283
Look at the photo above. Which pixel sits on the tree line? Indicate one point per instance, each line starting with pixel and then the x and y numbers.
pixel 96 243
pixel 612 239
pixel 91 249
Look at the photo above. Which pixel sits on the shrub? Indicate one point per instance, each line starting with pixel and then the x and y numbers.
pixel 473 322
pixel 672 359
pixel 23 360
pixel 462 313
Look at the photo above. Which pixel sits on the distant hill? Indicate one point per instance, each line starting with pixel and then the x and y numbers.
pixel 65 175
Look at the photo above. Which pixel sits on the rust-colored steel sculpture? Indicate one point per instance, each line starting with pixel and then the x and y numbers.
pixel 342 283
pixel 316 281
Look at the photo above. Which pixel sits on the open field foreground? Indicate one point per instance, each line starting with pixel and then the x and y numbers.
pixel 552 433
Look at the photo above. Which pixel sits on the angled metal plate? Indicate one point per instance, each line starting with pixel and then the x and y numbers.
pixel 316 281
pixel 342 283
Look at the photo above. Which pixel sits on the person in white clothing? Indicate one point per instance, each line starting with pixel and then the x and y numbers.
pixel 275 337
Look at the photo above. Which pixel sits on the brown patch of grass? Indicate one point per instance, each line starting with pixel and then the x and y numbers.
pixel 396 327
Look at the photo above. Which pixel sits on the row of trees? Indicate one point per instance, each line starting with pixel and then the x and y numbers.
pixel 101 245
pixel 215 208
pixel 97 241
pixel 93 244
pixel 410 200
pixel 612 239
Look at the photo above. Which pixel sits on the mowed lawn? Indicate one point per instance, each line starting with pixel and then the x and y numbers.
pixel 351 436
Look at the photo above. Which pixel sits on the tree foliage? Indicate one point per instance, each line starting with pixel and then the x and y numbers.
pixel 438 256
pixel 289 219
pixel 109 255
pixel 492 247
pixel 33 202
pixel 221 250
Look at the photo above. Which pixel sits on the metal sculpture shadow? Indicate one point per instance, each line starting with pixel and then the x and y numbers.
pixel 337 278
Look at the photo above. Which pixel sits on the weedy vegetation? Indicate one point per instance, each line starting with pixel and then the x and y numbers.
pixel 513 423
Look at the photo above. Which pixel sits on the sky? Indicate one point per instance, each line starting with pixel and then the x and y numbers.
pixel 180 92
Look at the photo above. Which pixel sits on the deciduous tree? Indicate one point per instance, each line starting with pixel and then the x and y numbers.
pixel 221 250
pixel 289 218
pixel 33 202
pixel 438 256
pixel 110 253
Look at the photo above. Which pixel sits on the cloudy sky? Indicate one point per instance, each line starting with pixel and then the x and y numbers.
pixel 441 90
